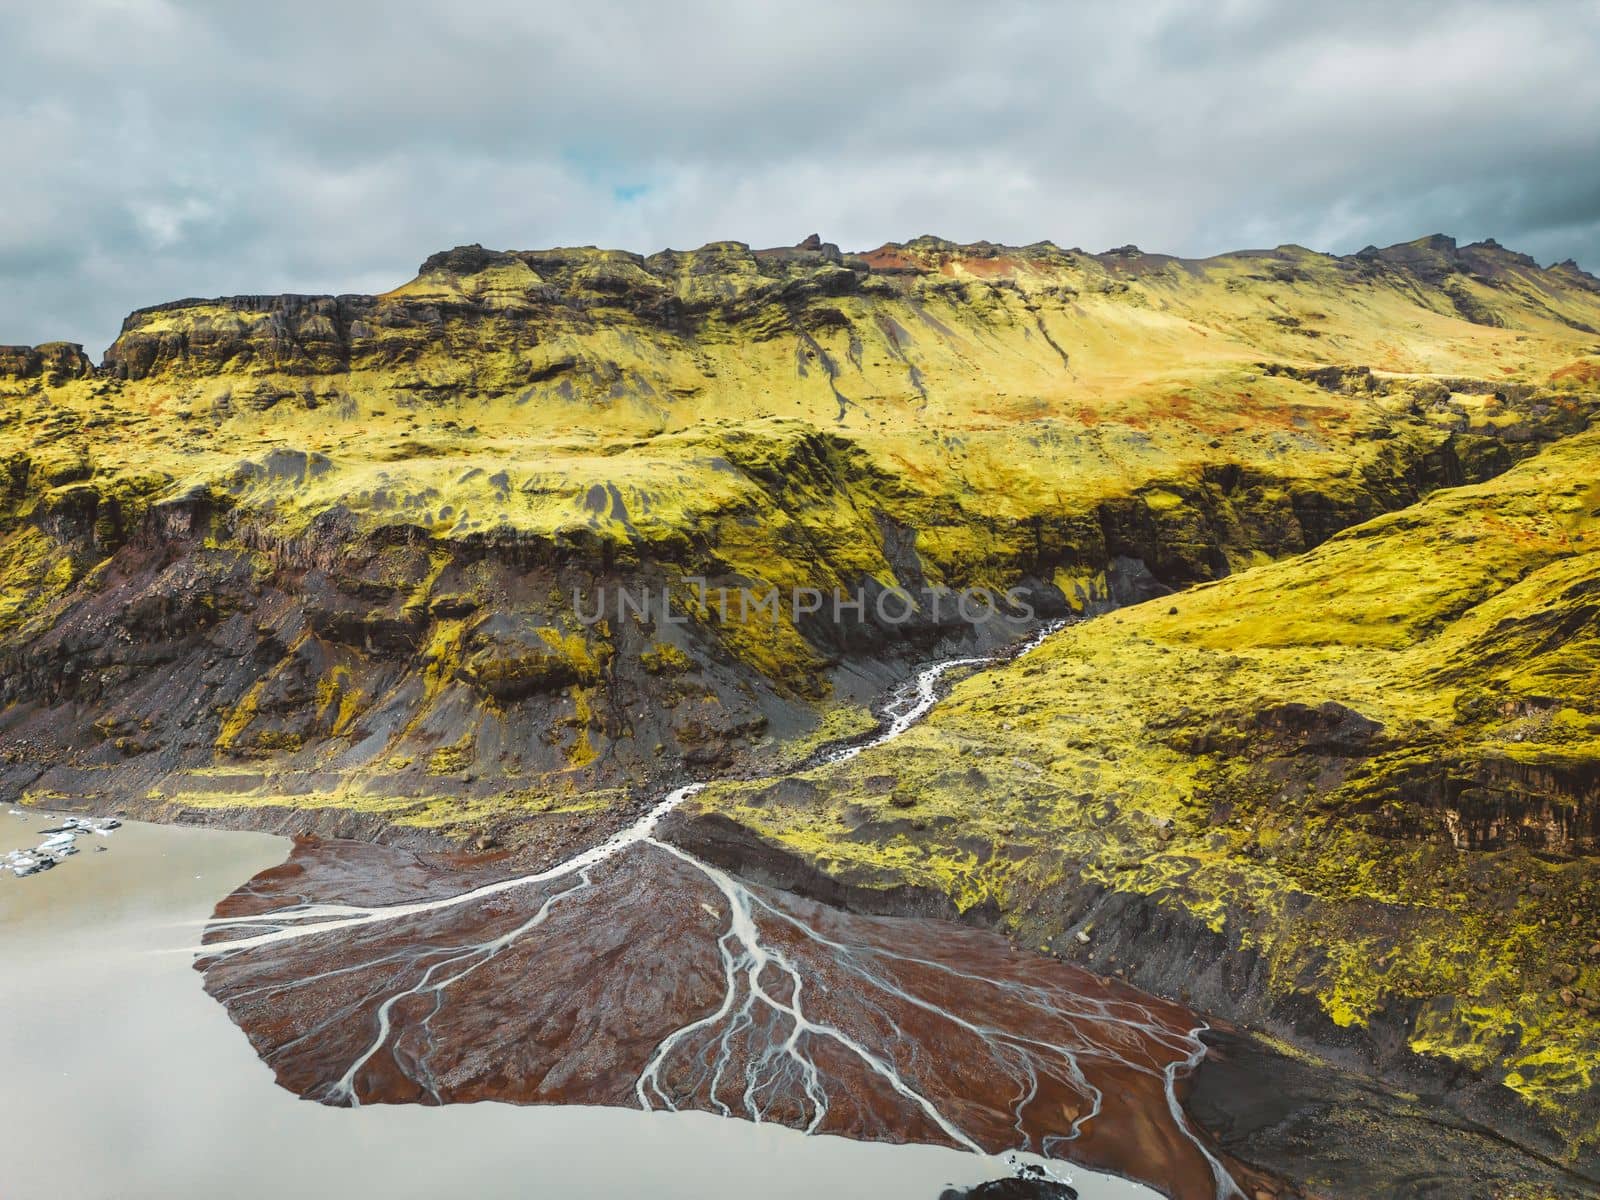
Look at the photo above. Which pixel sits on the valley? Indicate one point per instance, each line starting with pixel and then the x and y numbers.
pixel 1301 756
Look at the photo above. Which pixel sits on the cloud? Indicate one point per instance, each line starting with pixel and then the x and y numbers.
pixel 159 149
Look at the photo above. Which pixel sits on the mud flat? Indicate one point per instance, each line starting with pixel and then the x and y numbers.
pixel 124 1079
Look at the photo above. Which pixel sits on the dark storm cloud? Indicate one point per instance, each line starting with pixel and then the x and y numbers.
pixel 159 149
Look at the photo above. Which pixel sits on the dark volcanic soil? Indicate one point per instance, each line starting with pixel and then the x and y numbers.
pixel 1339 1134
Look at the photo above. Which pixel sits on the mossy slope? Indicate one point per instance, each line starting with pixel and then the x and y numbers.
pixel 1372 771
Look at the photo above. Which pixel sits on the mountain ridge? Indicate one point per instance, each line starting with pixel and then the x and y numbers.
pixel 1433 256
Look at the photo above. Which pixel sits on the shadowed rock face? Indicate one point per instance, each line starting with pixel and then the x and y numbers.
pixel 1338 1134
pixel 650 978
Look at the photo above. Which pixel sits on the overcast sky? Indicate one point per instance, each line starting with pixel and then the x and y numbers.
pixel 155 149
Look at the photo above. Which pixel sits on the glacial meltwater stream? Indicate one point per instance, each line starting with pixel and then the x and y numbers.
pixel 611 995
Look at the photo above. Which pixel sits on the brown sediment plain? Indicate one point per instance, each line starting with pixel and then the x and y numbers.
pixel 639 975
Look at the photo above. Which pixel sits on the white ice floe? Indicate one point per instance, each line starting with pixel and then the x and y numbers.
pixel 58 843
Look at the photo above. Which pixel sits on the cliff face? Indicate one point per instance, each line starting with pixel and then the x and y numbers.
pixel 470 304
pixel 330 557
pixel 52 363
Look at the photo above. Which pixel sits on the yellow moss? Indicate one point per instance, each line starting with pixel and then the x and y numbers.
pixel 663 658
pixel 582 752
pixel 441 655
pixel 33 571
pixel 447 760
pixel 587 658
pixel 337 702
pixel 1159 501
pixel 239 717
